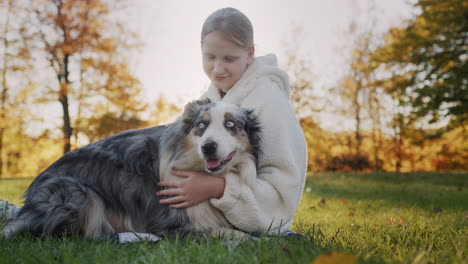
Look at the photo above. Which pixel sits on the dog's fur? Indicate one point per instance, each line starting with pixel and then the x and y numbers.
pixel 110 185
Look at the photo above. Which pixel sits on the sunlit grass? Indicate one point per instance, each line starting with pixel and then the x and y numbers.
pixel 394 218
pixel 380 218
pixel 13 189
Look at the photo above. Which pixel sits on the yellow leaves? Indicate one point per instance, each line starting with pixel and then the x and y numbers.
pixel 342 200
pixel 322 201
pixel 395 32
pixel 448 67
pixel 68 49
pixel 398 222
pixel 335 258
pixel 107 44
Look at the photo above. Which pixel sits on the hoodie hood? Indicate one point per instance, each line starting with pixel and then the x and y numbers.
pixel 262 67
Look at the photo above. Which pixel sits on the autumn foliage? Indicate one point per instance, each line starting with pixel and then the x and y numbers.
pixel 403 92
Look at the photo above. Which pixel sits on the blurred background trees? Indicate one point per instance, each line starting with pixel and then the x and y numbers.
pixel 403 93
pixel 406 92
pixel 75 53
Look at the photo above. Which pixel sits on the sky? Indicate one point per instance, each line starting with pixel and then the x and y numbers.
pixel 170 61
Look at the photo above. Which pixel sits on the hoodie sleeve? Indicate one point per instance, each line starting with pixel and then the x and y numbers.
pixel 270 202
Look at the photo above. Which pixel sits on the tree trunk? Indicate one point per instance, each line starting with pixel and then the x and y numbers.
pixel 357 116
pixel 374 110
pixel 67 129
pixel 63 99
pixel 399 146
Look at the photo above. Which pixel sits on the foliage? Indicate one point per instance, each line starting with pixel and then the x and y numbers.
pixel 304 99
pixel 80 40
pixel 392 88
pixel 348 163
pixel 318 147
pixel 355 86
pixel 367 218
pixel 78 52
pixel 15 58
pixel 423 151
pixel 428 59
pixel 21 163
pixel 164 112
pixel 110 124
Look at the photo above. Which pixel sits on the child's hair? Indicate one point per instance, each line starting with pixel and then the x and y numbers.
pixel 233 24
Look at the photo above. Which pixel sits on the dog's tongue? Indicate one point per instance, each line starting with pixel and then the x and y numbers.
pixel 213 163
pixel 229 157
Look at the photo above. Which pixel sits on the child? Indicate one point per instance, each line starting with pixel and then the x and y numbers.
pixel 256 83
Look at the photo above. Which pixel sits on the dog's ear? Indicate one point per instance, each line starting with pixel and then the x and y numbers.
pixel 253 129
pixel 191 112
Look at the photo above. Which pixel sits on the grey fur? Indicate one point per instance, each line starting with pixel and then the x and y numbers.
pixel 112 184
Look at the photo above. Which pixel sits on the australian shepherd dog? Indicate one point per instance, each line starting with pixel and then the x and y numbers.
pixel 110 185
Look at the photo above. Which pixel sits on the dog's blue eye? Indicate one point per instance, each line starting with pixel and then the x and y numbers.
pixel 230 124
pixel 201 125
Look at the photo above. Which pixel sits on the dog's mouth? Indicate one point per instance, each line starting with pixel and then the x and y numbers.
pixel 217 164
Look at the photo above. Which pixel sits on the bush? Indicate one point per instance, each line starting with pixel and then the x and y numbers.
pixel 349 162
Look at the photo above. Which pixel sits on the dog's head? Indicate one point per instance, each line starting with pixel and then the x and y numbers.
pixel 222 133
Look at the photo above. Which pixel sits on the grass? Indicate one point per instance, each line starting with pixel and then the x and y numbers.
pixel 13 189
pixel 378 218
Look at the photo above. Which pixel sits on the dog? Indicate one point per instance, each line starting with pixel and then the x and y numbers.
pixel 110 186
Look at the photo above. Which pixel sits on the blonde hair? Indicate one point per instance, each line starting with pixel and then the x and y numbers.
pixel 233 24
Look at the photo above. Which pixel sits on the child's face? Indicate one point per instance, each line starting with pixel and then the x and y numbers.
pixel 223 61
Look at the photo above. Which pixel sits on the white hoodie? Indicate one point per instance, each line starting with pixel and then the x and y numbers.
pixel 270 204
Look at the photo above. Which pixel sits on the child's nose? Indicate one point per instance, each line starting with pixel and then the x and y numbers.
pixel 218 67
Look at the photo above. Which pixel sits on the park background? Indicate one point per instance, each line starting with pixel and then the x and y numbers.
pixel 379 88
pixel 376 85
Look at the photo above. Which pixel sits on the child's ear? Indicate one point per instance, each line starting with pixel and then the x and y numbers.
pixel 251 55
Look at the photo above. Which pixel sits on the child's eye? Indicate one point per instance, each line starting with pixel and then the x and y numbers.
pixel 229 59
pixel 230 124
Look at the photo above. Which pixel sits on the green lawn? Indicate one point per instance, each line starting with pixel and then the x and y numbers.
pixel 378 218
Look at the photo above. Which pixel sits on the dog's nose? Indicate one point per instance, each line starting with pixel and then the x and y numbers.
pixel 209 147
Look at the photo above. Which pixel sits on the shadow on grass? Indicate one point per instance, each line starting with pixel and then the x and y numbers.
pixel 424 190
pixel 452 179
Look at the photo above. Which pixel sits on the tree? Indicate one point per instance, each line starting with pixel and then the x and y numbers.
pixel 429 54
pixel 107 91
pixel 82 38
pixel 15 56
pixel 111 123
pixel 356 85
pixel 362 94
pixel 304 101
pixel 164 111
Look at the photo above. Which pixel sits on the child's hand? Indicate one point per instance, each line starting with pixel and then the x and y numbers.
pixel 194 188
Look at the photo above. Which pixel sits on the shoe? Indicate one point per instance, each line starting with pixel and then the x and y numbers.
pixel 6 210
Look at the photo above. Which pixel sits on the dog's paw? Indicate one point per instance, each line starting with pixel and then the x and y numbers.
pixel 11 228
